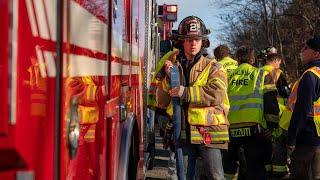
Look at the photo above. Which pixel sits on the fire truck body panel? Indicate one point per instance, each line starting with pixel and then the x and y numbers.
pixel 101 120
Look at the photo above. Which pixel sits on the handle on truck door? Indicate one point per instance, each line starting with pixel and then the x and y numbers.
pixel 73 128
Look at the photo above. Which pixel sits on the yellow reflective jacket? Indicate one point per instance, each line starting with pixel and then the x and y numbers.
pixel 229 64
pixel 208 102
pixel 245 90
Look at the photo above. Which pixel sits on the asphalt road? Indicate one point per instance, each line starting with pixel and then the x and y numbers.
pixel 160 169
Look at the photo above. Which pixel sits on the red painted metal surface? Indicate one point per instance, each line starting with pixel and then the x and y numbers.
pixel 4 65
pixel 28 145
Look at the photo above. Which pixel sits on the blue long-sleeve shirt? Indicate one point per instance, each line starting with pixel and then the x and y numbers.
pixel 302 130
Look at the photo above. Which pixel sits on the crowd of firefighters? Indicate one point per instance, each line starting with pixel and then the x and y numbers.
pixel 240 118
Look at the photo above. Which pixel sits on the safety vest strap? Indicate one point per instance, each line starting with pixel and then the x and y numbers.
pixel 316 115
pixel 203 76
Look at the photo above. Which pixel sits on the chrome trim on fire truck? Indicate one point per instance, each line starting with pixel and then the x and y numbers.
pixel 73 128
pixel 25 175
pixel 13 65
pixel 127 128
pixel 61 7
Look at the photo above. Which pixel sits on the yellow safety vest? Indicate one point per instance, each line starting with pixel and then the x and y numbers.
pixel 151 101
pixel 205 116
pixel 245 90
pixel 275 74
pixel 229 64
pixel 286 117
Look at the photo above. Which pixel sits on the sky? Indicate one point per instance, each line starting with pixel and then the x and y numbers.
pixel 205 10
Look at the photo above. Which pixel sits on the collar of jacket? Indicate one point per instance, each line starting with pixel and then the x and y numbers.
pixel 246 64
pixel 182 57
pixel 311 64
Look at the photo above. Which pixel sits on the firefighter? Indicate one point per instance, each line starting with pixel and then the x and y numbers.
pixel 278 166
pixel 222 54
pixel 304 128
pixel 203 97
pixel 253 106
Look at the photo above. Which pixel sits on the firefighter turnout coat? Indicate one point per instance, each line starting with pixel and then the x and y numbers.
pixel 208 104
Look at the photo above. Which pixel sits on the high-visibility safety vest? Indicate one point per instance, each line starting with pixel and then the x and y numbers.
pixel 245 90
pixel 275 74
pixel 201 118
pixel 286 117
pixel 155 82
pixel 229 64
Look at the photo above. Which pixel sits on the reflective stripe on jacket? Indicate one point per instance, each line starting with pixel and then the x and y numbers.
pixel 245 90
pixel 286 117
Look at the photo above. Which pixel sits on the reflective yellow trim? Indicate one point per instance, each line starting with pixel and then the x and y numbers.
pixel 219 82
pixel 90 92
pixel 269 87
pixel 191 94
pixel 205 116
pixel 317 123
pixel 165 85
pixel 231 176
pixel 277 168
pixel 88 115
pixel 198 96
pixel 215 136
pixel 268 167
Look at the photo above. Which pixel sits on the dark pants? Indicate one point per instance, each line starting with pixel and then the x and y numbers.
pixel 306 163
pixel 210 158
pixel 279 167
pixel 248 157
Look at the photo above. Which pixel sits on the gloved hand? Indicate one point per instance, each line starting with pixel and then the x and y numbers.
pixel 170 61
pixel 177 91
pixel 167 67
pixel 167 138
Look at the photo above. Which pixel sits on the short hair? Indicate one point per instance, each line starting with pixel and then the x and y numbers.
pixel 273 57
pixel 221 51
pixel 245 54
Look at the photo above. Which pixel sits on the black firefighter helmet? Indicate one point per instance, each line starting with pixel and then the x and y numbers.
pixel 193 27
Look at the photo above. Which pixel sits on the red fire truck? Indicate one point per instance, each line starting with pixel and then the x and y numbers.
pixel 72 88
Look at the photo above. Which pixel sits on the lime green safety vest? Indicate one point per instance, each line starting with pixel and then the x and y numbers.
pixel 286 117
pixel 229 64
pixel 275 74
pixel 245 90
pixel 205 116
pixel 155 82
